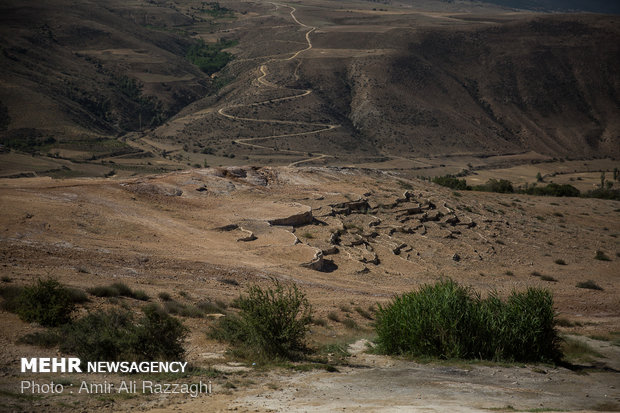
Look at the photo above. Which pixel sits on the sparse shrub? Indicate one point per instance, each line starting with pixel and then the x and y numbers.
pixel 345 308
pixel 183 310
pixel 140 295
pixel 548 278
pixel 118 290
pixel 319 322
pixel 47 302
pixel 46 339
pixel 577 350
pixel 590 285
pixel 509 273
pixel 164 296
pixel 536 274
pixel 123 289
pixel 173 307
pixel 272 323
pixel 450 321
pixel 209 307
pixel 332 315
pixel 191 311
pixel 564 322
pixel 363 313
pixel 77 296
pixel 560 261
pixel 229 281
pixel 5 279
pixel 103 291
pixel 601 256
pixel 350 323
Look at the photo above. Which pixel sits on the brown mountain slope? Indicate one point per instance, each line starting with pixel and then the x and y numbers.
pixel 319 82
pixel 92 67
pixel 547 84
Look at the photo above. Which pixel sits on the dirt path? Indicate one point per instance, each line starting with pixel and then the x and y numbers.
pixel 375 383
pixel 262 80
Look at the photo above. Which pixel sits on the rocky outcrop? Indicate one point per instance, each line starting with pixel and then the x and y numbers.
pixel 295 220
pixel 247 235
pixel 317 261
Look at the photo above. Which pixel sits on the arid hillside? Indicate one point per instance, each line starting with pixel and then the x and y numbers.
pixel 102 90
pixel 546 84
pixel 87 70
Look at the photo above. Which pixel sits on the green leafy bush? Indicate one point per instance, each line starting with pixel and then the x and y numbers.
pixel 446 320
pixel 99 336
pixel 272 322
pixel 522 328
pixel 158 336
pixel 452 182
pixel 47 302
pixel 116 335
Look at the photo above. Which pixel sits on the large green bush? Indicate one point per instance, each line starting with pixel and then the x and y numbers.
pixel 272 323
pixel 522 328
pixel 101 335
pixel 116 335
pixel 447 320
pixel 47 302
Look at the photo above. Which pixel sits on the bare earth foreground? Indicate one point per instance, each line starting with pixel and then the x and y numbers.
pixel 349 238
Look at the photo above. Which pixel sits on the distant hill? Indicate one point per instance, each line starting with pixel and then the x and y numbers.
pixel 81 70
pixel 595 6
pixel 548 84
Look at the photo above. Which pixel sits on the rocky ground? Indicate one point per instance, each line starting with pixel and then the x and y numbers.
pixel 349 238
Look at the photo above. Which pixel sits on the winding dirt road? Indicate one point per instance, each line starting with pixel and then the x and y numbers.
pixel 299 93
